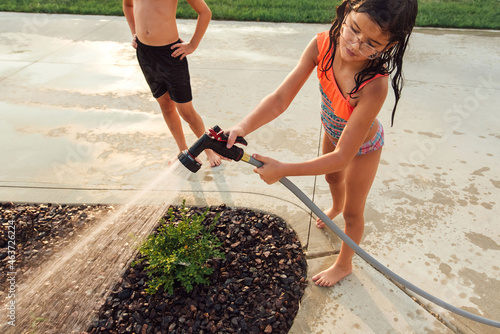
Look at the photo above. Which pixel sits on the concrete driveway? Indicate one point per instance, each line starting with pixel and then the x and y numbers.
pixel 78 125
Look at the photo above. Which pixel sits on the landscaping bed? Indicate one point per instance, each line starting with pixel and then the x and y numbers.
pixel 256 289
pixel 40 230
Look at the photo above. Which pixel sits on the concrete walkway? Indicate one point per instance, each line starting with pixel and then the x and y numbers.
pixel 78 125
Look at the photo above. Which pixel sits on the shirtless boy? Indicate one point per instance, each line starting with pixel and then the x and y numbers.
pixel 162 57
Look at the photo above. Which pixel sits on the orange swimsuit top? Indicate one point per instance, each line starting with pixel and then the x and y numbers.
pixel 335 108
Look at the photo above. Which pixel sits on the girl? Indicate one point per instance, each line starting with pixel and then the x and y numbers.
pixel 353 61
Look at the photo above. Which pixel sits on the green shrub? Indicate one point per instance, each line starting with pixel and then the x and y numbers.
pixel 179 251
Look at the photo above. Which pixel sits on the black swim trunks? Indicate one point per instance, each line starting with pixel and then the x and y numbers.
pixel 165 73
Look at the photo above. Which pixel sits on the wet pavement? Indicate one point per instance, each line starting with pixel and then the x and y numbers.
pixel 79 125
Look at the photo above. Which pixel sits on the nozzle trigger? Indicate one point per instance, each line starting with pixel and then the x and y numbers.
pixel 219 135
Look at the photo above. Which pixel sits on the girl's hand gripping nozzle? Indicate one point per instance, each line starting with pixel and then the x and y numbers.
pixel 213 139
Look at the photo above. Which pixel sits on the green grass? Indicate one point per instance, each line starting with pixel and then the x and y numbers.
pixel 479 14
pixel 305 11
pixel 94 7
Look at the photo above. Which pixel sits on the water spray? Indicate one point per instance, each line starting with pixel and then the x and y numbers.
pixel 216 140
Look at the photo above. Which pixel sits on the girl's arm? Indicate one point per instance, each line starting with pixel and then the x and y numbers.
pixel 371 99
pixel 277 102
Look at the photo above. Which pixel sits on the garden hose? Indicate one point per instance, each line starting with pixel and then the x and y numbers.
pixel 216 140
pixel 367 257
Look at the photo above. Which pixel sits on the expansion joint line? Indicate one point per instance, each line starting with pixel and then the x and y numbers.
pixel 311 217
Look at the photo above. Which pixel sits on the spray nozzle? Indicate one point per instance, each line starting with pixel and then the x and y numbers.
pixel 213 139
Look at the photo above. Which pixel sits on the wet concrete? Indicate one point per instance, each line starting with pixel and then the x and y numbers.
pixel 79 126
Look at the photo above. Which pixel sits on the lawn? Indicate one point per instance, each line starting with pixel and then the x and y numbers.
pixel 479 14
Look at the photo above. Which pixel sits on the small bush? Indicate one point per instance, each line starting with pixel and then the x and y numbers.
pixel 179 251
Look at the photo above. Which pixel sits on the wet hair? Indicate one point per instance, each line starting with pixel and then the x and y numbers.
pixel 397 19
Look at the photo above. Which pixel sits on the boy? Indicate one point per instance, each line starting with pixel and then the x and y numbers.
pixel 162 57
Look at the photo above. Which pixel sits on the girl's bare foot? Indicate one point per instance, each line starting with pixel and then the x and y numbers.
pixel 331 213
pixel 214 159
pixel 332 275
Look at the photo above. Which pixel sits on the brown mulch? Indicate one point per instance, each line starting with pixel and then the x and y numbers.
pixel 256 289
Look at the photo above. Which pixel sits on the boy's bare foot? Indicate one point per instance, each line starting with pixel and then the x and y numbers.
pixel 331 213
pixel 331 276
pixel 174 159
pixel 214 159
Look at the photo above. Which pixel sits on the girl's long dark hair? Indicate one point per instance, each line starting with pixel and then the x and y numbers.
pixel 397 18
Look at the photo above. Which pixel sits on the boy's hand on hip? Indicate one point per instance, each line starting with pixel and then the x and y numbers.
pixel 134 41
pixel 271 171
pixel 182 49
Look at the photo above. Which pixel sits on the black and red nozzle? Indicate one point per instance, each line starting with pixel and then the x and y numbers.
pixel 213 139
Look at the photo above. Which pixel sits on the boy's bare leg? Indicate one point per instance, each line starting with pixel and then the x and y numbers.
pixel 187 112
pixel 173 120
pixel 359 178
